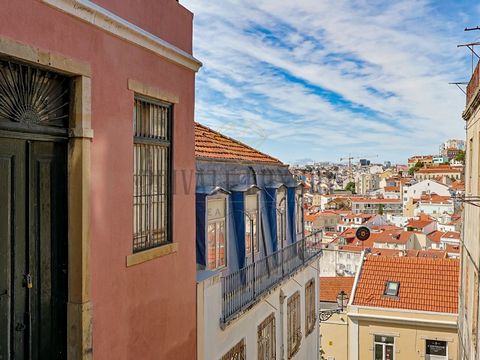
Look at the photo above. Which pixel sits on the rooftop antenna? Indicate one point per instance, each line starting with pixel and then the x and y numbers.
pixel 471 46
pixel 458 85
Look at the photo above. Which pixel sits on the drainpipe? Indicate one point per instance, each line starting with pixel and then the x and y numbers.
pixel 282 346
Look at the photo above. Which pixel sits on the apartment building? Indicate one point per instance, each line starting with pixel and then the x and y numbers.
pixel 89 248
pixel 434 205
pixel 257 273
pixel 424 187
pixel 404 308
pixel 365 183
pixel 427 160
pixel 376 206
pixel 469 291
pixel 445 174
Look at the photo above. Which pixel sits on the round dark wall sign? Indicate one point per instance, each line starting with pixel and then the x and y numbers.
pixel 362 233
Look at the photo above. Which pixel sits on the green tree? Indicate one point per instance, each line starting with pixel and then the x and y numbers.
pixel 350 187
pixel 380 209
pixel 460 156
pixel 415 168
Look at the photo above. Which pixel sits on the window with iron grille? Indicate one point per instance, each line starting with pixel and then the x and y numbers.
pixel 310 315
pixel 237 352
pixel 266 339
pixel 152 170
pixel 294 332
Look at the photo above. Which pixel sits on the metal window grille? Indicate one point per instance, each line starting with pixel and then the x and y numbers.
pixel 266 339
pixel 151 173
pixel 310 307
pixel 237 352
pixel 294 333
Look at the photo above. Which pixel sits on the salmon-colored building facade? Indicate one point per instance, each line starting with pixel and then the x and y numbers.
pixel 122 304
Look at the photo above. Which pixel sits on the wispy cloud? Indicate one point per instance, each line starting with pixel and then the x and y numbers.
pixel 322 79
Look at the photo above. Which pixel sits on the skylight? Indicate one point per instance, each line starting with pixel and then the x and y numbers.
pixel 391 288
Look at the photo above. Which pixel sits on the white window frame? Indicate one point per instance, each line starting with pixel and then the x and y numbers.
pixel 256 243
pixel 207 222
pixel 299 210
pixel 384 345
pixel 281 216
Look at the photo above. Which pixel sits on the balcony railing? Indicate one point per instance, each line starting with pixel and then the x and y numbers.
pixel 241 288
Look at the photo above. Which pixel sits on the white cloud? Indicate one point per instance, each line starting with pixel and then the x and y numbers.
pixel 325 78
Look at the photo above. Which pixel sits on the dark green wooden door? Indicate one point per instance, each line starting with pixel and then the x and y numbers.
pixel 33 249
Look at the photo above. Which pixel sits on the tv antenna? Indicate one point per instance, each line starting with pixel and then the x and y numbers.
pixel 457 84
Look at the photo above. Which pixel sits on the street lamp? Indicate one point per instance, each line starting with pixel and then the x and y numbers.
pixel 342 302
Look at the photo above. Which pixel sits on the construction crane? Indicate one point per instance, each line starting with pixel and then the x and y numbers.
pixel 350 158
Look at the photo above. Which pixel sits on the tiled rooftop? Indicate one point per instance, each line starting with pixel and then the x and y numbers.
pixel 376 200
pixel 426 284
pixel 439 170
pixel 331 286
pixel 213 145
pixel 420 223
pixel 435 236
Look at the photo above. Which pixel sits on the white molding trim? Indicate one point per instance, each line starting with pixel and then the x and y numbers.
pixel 100 17
pixel 357 278
pixel 353 351
pixel 404 320
pixel 406 311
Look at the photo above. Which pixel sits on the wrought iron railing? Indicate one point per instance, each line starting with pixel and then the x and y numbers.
pixel 243 287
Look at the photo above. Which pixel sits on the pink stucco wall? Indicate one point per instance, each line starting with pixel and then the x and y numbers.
pixel 145 311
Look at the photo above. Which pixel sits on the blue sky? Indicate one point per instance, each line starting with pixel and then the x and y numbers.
pixel 320 79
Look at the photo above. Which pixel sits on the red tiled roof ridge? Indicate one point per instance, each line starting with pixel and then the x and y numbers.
pixel 258 156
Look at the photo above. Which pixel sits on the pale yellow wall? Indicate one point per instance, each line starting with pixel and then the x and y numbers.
pixel 334 337
pixel 409 340
pixel 326 221
pixel 409 208
pixel 316 200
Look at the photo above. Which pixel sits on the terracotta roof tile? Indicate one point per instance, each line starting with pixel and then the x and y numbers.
pixel 376 200
pixel 418 224
pixel 392 188
pixel 435 236
pixel 213 145
pixel 331 286
pixel 439 170
pixel 426 284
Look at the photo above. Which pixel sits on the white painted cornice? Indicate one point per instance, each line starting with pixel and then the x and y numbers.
pixel 100 17
pixel 404 320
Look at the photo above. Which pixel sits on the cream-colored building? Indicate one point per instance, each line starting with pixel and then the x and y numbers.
pixel 334 329
pixel 470 255
pixel 404 308
pixel 364 183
